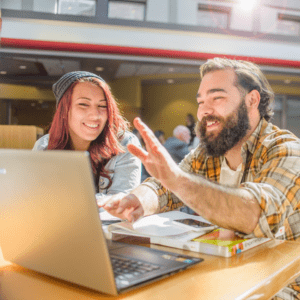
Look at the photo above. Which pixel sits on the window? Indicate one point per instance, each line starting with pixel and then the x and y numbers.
pixel 288 25
pixel 130 10
pixel 293 115
pixel 77 7
pixel 213 16
pixel 65 7
pixel 287 113
pixel 12 4
pixel 277 107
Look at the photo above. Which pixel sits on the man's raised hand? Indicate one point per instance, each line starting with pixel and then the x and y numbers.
pixel 156 159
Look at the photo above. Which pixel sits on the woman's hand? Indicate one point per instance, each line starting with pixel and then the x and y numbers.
pixel 142 201
pixel 124 206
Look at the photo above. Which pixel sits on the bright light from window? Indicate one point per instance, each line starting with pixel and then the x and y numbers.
pixel 248 5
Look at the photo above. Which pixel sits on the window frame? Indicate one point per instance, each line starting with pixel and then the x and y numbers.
pixel 292 18
pixel 217 9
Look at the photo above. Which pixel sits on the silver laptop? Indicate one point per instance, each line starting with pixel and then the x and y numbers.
pixel 49 222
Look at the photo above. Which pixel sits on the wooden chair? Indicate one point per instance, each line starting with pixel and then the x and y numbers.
pixel 19 136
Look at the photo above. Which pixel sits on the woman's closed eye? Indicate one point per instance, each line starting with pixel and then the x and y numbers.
pixel 83 104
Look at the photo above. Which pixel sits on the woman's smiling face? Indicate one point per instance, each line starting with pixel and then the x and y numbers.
pixel 87 115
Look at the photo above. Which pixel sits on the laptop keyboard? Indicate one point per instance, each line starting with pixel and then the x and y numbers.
pixel 126 269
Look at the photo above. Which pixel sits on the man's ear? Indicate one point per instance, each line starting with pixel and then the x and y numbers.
pixel 253 99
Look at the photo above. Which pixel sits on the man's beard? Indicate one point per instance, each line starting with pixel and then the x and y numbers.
pixel 235 127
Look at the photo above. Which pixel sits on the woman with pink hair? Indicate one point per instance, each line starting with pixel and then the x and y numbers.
pixel 87 118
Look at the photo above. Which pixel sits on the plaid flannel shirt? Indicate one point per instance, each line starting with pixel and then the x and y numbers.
pixel 271 173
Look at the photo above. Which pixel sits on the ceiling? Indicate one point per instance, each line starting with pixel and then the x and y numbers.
pixel 43 68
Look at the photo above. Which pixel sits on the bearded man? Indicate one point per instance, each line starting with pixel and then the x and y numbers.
pixel 244 175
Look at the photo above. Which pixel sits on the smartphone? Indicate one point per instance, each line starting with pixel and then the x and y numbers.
pixel 193 224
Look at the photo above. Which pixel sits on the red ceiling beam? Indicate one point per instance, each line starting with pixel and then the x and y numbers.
pixel 138 51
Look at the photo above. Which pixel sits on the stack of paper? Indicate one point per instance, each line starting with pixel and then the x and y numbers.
pixel 159 225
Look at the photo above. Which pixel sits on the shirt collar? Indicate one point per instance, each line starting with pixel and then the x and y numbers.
pixel 251 143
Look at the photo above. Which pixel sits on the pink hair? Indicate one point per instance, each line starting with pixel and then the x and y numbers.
pixel 106 145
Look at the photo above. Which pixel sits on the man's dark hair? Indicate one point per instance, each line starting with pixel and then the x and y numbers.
pixel 248 78
pixel 158 133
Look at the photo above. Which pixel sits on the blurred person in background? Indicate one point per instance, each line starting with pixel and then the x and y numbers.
pixel 177 145
pixel 160 135
pixel 190 124
pixel 144 174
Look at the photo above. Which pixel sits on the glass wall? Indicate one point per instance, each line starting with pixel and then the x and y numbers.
pixel 130 10
pixel 209 16
pixel 293 115
pixel 64 7
pixel 278 112
pixel 260 16
pixel 287 27
pixel 79 7
pixel 287 113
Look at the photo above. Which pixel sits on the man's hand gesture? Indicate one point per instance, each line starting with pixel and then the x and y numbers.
pixel 156 159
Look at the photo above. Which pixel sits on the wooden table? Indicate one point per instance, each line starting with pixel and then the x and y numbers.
pixel 259 272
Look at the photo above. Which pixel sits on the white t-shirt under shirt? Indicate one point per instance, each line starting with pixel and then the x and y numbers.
pixel 230 177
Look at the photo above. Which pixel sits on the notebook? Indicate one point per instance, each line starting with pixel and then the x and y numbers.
pixel 49 222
